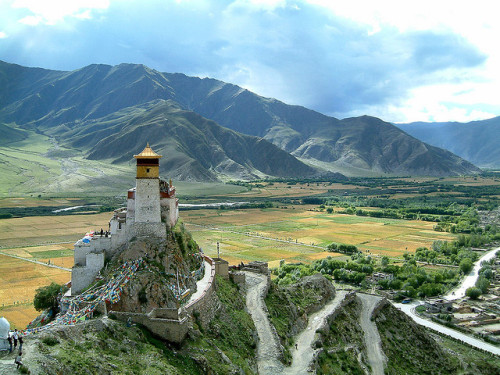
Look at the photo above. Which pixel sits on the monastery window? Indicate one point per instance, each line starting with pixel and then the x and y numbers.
pixel 147 170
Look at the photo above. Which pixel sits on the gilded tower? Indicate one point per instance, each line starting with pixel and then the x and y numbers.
pixel 147 191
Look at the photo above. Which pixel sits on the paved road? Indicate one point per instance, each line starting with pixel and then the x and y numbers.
pixel 470 279
pixel 303 356
pixel 269 347
pixel 202 284
pixel 409 309
pixel 376 357
pixel 36 261
pixel 459 292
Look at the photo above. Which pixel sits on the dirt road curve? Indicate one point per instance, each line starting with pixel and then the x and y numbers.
pixel 376 357
pixel 268 348
pixel 303 355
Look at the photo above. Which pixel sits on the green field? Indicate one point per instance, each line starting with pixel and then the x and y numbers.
pixel 259 234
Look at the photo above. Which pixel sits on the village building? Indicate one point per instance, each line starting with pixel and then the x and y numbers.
pixel 439 306
pixel 152 208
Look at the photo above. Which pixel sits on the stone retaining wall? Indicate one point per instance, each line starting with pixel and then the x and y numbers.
pixel 173 330
pixel 172 324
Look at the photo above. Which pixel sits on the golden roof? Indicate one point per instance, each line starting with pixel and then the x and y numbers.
pixel 147 153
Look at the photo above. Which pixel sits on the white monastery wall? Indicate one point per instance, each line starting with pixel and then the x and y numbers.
pixel 147 200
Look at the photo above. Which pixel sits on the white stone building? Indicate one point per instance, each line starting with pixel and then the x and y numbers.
pixel 151 208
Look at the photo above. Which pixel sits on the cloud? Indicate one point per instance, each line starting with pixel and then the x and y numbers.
pixel 345 59
pixel 52 11
pixel 3 35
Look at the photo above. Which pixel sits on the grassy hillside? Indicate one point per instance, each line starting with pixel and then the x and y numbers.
pixel 106 346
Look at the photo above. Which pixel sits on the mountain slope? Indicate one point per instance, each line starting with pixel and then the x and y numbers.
pixel 111 112
pixel 194 148
pixel 352 146
pixel 476 141
pixel 94 102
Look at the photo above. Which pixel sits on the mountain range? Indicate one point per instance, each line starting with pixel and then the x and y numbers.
pixel 476 141
pixel 207 129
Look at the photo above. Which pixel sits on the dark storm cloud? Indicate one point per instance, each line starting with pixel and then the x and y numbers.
pixel 302 56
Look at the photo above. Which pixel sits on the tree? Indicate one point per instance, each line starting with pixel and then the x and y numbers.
pixel 46 297
pixel 473 292
pixel 332 247
pixel 329 210
pixel 466 265
pixel 384 261
pixel 483 284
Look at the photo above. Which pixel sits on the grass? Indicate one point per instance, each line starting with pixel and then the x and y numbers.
pixel 288 306
pixel 409 348
pixel 475 361
pixel 343 343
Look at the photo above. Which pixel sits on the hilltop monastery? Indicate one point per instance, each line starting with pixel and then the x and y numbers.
pixel 151 208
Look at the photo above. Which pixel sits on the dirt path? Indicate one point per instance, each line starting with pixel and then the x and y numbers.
pixel 376 357
pixel 304 354
pixel 35 261
pixel 268 348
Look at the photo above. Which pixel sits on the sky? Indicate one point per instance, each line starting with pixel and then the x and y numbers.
pixel 398 60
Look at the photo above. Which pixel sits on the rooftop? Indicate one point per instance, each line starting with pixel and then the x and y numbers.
pixel 147 153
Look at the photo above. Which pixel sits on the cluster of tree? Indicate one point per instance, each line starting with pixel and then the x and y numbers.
pixel 409 280
pixel 342 248
pixel 483 281
pixel 444 252
pixel 412 281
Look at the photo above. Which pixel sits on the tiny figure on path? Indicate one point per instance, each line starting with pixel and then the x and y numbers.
pixel 10 342
pixel 296 347
pixel 15 336
pixel 21 340
pixel 18 360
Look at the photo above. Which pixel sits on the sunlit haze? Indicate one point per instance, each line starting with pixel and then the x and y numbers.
pixel 400 61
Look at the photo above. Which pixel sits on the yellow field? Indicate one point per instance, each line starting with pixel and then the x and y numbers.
pixel 37 230
pixel 19 280
pixel 22 237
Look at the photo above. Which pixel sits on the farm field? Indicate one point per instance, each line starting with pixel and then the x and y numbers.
pixel 260 234
pixel 37 230
pixel 46 238
pixel 19 280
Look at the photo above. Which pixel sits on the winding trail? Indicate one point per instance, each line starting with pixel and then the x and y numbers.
pixel 304 355
pixel 471 278
pixel 269 347
pixel 376 357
